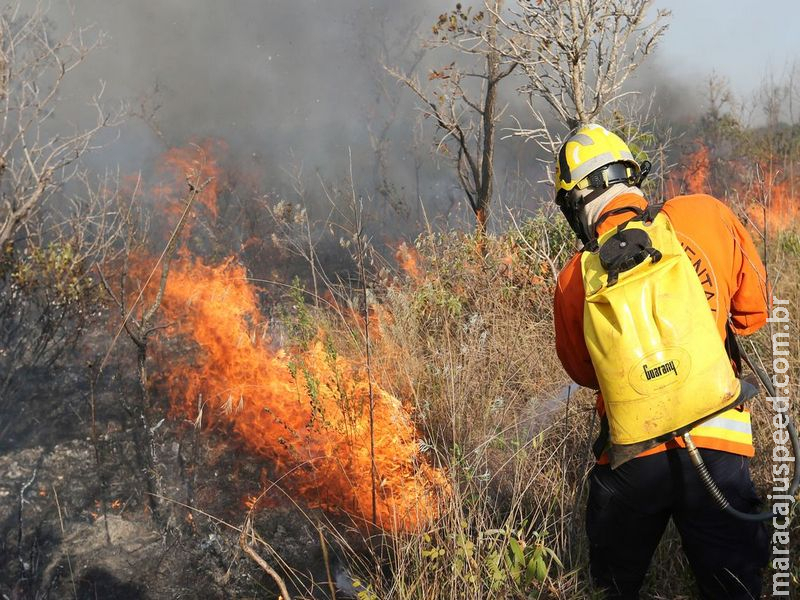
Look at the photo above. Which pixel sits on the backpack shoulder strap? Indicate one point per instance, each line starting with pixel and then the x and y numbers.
pixel 638 213
pixel 651 211
pixel 648 214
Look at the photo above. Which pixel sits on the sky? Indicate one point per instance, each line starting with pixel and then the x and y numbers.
pixel 737 39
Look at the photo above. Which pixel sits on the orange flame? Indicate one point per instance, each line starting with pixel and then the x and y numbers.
pixel 307 414
pixel 773 206
pixel 197 164
pixel 692 176
pixel 771 203
pixel 408 260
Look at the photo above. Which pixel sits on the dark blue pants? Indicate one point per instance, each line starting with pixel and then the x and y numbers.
pixel 629 508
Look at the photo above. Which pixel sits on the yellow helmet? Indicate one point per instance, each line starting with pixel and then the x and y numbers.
pixel 588 149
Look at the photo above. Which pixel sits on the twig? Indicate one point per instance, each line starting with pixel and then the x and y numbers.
pixel 22 491
pixel 97 461
pixel 579 494
pixel 69 562
pixel 327 561
pixel 248 549
pixel 194 190
pixel 361 249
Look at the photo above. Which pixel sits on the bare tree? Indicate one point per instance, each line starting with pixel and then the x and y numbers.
pixel 54 223
pixel 35 160
pixel 576 56
pixel 465 117
pixel 141 326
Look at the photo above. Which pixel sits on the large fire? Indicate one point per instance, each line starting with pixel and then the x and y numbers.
pixel 308 414
pixel 774 208
pixel 305 410
pixel 765 190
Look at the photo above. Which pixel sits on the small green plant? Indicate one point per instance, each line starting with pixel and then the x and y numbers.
pixel 364 592
pixel 789 242
pixel 54 270
pixel 516 562
pixel 297 318
pixel 320 374
pixel 507 562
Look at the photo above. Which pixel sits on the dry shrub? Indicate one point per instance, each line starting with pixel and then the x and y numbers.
pixel 783 263
pixel 466 339
pixel 473 330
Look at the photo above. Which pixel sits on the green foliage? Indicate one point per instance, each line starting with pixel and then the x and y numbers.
pixel 505 562
pixel 297 318
pixel 346 399
pixel 789 242
pixel 47 299
pixel 54 271
pixel 312 384
pixel 310 331
pixel 431 298
pixel 301 328
pixel 364 592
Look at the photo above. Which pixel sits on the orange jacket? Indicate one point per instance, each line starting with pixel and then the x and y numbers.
pixel 725 259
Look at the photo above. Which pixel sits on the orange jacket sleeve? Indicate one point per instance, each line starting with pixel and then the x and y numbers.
pixel 568 305
pixel 749 294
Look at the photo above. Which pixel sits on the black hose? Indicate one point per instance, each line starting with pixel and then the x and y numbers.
pixel 705 476
pixel 790 426
pixel 713 489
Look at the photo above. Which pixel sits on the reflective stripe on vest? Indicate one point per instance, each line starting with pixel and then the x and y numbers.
pixel 731 426
pixel 729 432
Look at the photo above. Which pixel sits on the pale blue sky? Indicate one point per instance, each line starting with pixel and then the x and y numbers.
pixel 738 39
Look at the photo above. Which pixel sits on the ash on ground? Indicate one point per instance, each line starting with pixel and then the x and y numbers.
pixel 76 520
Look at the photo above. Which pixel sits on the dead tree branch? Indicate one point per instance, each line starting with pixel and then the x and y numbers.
pixel 466 117
pixel 247 532
pixel 576 56
pixel 140 331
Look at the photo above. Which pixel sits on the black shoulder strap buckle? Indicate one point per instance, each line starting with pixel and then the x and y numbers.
pixel 646 215
pixel 651 211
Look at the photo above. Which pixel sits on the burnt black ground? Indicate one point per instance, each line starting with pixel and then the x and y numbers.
pixel 54 537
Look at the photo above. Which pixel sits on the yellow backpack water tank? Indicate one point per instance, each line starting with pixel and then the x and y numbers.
pixel 654 344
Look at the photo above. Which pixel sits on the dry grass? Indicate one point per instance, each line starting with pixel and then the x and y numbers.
pixel 468 343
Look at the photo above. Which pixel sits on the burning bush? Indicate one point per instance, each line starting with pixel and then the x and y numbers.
pixel 307 410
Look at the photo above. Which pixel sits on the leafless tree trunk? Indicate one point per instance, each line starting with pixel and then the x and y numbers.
pixel 140 330
pixel 467 123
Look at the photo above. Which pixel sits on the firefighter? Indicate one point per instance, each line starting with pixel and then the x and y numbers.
pixel 630 506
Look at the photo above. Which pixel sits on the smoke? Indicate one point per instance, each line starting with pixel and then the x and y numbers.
pixel 676 98
pixel 266 76
pixel 300 82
